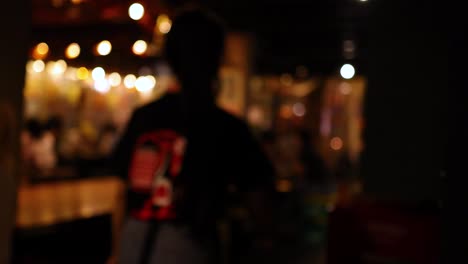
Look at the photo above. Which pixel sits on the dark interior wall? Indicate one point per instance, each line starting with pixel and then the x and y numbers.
pixel 292 33
pixel 14 26
pixel 455 213
pixel 405 106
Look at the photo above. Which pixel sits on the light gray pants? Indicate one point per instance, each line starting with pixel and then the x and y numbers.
pixel 172 245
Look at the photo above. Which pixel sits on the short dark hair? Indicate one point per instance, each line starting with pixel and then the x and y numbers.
pixel 196 37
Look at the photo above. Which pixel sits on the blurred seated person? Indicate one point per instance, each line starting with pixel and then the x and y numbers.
pixel 107 139
pixel 38 146
pixel 315 170
pixel 54 125
pixel 32 130
pixel 88 135
pixel 69 149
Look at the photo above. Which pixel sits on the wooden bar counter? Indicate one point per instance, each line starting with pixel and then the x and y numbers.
pixel 48 204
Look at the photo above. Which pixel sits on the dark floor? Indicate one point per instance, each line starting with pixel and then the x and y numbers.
pixel 84 241
pixel 88 241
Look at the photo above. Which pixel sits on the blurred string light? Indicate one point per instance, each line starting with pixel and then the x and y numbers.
pixel 326 122
pixel 348 46
pixel 73 51
pixel 144 84
pixel 349 49
pixel 104 48
pixel 101 86
pixel 129 81
pixel 139 47
pixel 115 79
pixel 299 109
pixel 29 66
pixel 49 67
pixel 136 11
pixel 336 143
pixel 82 73
pixel 98 73
pixel 345 88
pixel 286 112
pixel 56 68
pixel 38 66
pixel 70 74
pixel 41 50
pixel 255 115
pixel 347 71
pixel 152 80
pixel 164 24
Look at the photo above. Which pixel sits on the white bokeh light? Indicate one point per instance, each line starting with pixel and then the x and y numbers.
pixel 129 81
pixel 38 66
pixel 104 48
pixel 59 67
pixel 98 74
pixel 115 79
pixel 139 47
pixel 136 11
pixel 152 79
pixel 101 86
pixel 144 84
pixel 347 71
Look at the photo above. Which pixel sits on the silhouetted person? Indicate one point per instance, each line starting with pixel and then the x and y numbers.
pixel 315 171
pixel 181 154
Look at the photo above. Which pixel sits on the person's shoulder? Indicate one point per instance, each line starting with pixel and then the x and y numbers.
pixel 229 120
pixel 159 105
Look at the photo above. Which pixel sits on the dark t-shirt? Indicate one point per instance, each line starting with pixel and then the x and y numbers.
pixel 180 164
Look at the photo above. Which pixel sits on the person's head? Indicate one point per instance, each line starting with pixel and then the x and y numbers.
pixel 34 128
pixel 54 124
pixel 195 45
pixel 109 129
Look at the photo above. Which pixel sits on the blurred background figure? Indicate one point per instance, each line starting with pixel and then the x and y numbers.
pixel 39 148
pixel 180 167
pixel 107 140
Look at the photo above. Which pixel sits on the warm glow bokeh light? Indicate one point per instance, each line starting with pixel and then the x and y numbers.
pixel 129 81
pixel 139 47
pixel 82 73
pixel 336 143
pixel 115 79
pixel 73 51
pixel 104 48
pixel 38 66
